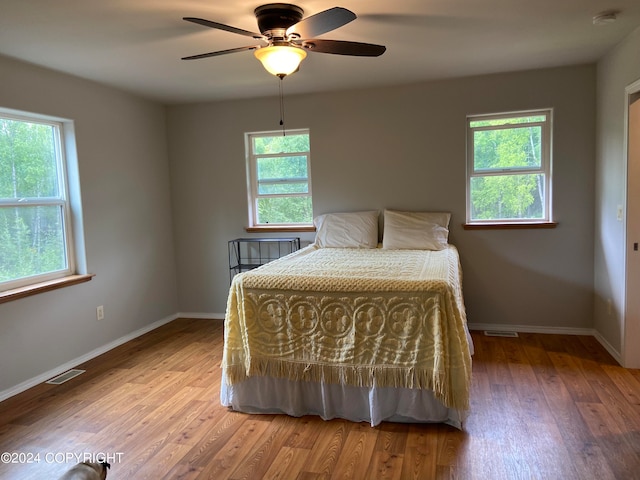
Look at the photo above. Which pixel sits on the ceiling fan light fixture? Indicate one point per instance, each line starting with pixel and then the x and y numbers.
pixel 280 60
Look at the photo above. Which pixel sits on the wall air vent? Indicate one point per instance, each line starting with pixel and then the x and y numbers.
pixel 500 333
pixel 65 377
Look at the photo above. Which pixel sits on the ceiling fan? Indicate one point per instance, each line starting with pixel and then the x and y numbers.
pixel 288 36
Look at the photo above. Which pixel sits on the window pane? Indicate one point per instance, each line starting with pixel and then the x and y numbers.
pixel 28 164
pixel 517 147
pixel 285 210
pixel 500 197
pixel 31 241
pixel 280 144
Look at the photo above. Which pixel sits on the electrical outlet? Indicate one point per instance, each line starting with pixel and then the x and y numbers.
pixel 100 312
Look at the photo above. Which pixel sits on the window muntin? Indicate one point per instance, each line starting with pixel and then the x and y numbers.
pixel 35 233
pixel 279 178
pixel 509 167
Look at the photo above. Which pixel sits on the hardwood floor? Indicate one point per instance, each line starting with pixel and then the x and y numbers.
pixel 543 407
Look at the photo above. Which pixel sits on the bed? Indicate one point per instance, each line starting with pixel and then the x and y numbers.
pixel 366 334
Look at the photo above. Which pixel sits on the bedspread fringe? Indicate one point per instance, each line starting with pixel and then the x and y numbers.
pixel 354 375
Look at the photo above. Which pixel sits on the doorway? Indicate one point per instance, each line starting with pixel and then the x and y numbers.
pixel 631 331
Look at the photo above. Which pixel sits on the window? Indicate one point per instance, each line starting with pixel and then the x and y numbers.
pixel 279 173
pixel 35 231
pixel 509 168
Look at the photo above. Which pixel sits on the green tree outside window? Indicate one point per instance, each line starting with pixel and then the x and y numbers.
pixel 31 205
pixel 280 180
pixel 509 168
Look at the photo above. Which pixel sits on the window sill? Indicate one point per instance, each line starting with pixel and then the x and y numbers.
pixel 28 290
pixel 280 228
pixel 508 226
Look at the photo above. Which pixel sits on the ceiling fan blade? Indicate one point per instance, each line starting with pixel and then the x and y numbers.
pixel 340 47
pixel 221 52
pixel 222 26
pixel 322 22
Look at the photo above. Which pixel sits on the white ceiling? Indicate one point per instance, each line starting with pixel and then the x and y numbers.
pixel 136 45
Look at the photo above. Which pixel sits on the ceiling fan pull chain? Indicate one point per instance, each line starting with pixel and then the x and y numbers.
pixel 281 77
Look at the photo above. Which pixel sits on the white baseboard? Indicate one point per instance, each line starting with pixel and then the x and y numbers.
pixel 612 351
pixel 205 316
pixel 552 330
pixel 32 382
pixel 532 329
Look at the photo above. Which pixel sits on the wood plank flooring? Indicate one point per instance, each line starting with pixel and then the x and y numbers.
pixel 543 407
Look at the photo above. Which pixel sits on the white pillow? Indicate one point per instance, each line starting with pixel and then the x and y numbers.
pixel 415 230
pixel 347 230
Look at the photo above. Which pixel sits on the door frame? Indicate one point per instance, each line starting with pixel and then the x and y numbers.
pixel 630 331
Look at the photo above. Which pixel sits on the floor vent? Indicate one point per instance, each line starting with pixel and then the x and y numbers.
pixel 500 333
pixel 65 377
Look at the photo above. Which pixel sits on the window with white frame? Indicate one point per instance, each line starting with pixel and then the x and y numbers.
pixel 35 230
pixel 279 178
pixel 509 167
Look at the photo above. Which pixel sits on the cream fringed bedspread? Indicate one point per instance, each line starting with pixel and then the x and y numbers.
pixel 362 317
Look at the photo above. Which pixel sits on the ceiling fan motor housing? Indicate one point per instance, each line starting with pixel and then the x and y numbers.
pixel 277 17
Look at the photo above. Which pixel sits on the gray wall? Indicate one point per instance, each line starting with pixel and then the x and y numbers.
pixel 404 148
pixel 124 176
pixel 400 147
pixel 616 70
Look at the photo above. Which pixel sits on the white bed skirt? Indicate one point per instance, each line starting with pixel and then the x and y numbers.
pixel 357 404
